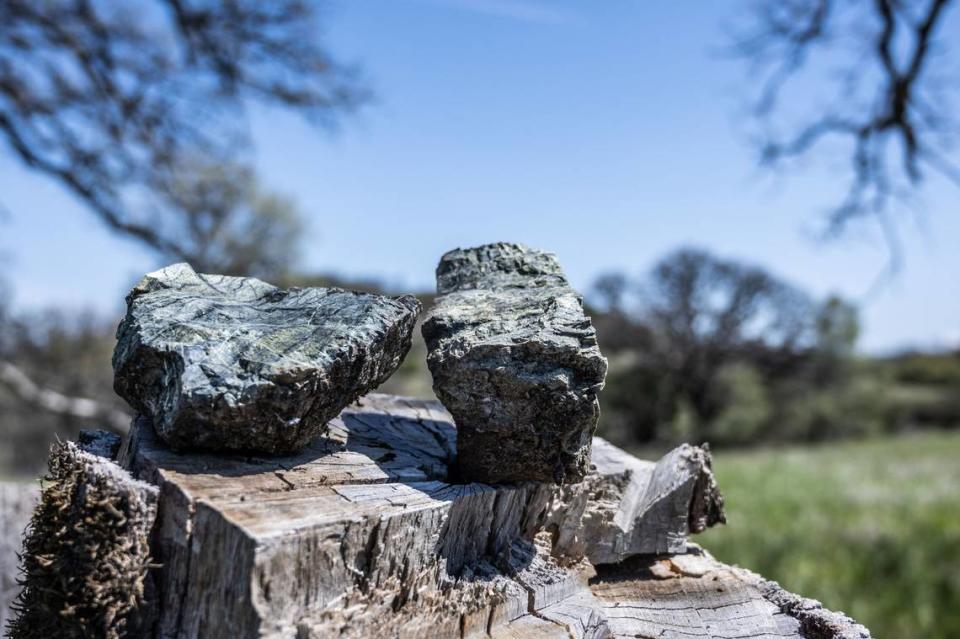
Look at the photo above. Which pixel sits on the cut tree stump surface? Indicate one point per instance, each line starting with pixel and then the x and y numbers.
pixel 367 533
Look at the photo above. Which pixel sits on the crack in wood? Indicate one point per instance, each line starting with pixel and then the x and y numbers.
pixel 375 541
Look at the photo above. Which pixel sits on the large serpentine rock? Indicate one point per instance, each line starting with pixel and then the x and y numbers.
pixel 234 363
pixel 515 360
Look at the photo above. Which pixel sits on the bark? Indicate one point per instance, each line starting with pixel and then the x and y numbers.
pixel 86 552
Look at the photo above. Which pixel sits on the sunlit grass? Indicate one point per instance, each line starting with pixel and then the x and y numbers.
pixel 868 527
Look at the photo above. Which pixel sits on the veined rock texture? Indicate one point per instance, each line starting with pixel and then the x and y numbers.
pixel 515 360
pixel 234 363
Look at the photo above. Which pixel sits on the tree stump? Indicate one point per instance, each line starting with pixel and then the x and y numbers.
pixel 368 533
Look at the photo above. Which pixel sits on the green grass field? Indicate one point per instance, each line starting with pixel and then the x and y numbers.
pixel 869 527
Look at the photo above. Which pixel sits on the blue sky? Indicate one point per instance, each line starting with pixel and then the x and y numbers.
pixel 603 131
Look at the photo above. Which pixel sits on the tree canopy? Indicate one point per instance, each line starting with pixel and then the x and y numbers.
pixel 114 99
pixel 704 347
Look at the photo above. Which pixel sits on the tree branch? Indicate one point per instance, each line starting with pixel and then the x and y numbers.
pixel 788 33
pixel 110 102
pixel 30 392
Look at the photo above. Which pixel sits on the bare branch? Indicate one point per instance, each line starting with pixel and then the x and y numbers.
pixel 109 99
pixel 790 28
pixel 787 34
pixel 30 392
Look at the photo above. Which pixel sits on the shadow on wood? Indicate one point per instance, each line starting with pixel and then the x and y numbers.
pixel 263 545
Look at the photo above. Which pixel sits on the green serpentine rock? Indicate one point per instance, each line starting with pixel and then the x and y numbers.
pixel 234 363
pixel 515 360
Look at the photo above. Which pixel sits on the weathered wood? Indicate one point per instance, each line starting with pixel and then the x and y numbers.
pixel 17 501
pixel 480 601
pixel 273 546
pixel 693 595
pixel 675 596
pixel 627 506
pixel 361 535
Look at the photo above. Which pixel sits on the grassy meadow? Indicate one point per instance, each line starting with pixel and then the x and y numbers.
pixel 868 527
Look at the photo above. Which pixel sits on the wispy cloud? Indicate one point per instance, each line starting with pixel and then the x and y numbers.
pixel 520 10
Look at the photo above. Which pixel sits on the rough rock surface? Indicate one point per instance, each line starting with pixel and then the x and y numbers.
pixel 515 360
pixel 234 363
pixel 101 443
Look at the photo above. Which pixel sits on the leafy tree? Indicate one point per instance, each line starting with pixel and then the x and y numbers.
pixel 228 224
pixel 745 406
pixel 706 312
pixel 720 350
pixel 837 326
pixel 610 290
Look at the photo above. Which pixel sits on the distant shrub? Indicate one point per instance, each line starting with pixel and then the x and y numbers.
pixel 746 406
pixel 855 406
pixel 632 403
pixel 935 369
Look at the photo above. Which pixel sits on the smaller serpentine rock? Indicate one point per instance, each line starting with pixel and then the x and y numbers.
pixel 515 360
pixel 234 363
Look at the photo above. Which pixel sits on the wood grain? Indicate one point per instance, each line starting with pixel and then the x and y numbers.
pixel 368 533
